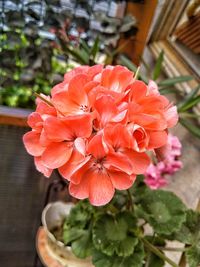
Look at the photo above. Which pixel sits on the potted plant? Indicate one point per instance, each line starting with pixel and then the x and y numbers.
pixel 107 134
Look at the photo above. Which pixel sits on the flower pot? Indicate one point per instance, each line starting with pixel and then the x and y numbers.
pixel 52 218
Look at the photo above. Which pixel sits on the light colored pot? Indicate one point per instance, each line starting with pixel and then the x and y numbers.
pixel 52 216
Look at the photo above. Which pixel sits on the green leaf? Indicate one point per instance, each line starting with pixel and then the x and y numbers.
pixel 165 91
pixel 163 210
pixel 100 259
pixel 131 66
pixel 80 214
pixel 189 233
pixel 195 130
pixel 189 96
pixel 111 234
pixel 95 48
pixel 85 46
pixel 82 247
pixel 174 80
pixel 193 256
pixel 78 54
pixel 191 103
pixel 71 234
pixel 158 66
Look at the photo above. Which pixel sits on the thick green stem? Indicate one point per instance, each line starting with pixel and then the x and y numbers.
pixel 156 251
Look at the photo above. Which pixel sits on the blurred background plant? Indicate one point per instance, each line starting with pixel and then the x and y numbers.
pixel 41 40
pixel 29 63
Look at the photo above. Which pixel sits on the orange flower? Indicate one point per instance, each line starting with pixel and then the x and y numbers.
pixel 96 128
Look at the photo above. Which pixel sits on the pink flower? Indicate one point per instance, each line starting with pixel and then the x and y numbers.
pixel 154 178
pixel 172 148
pixel 169 163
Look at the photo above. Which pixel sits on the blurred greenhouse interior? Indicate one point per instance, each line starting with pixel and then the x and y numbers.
pixel 40 41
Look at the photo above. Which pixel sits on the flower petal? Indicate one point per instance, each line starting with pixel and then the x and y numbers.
pixel 106 108
pixel 121 180
pixel 138 91
pixel 117 136
pixel 96 147
pixel 101 189
pixel 35 121
pixel 76 89
pixel 79 173
pixel 139 161
pixel 56 130
pixel 64 104
pixel 80 125
pixel 45 109
pixel 157 139
pixel 119 162
pixel 41 168
pixel 81 190
pixel 73 165
pixel 171 116
pixel 79 144
pixel 59 88
pixel 32 143
pixel 57 154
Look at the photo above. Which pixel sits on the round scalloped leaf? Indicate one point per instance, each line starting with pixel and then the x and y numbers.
pixel 189 232
pixel 80 214
pixel 100 259
pixel 111 234
pixel 163 210
pixel 82 247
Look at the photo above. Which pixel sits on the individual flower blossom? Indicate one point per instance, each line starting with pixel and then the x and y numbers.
pixel 172 149
pixel 156 175
pixel 97 128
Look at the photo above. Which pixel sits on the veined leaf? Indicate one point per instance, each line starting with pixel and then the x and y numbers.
pixel 71 234
pixel 100 259
pixel 163 210
pixel 158 67
pixel 175 80
pixel 82 247
pixel 111 234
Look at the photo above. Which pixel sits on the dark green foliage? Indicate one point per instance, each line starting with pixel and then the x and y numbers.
pixel 113 235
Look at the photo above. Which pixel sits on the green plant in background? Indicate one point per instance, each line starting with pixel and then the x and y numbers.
pixel 29 64
pixel 117 235
pixel 185 102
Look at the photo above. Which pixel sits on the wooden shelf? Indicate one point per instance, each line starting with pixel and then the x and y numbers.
pixel 14 116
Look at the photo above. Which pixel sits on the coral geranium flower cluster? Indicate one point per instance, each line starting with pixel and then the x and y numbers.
pixel 96 129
